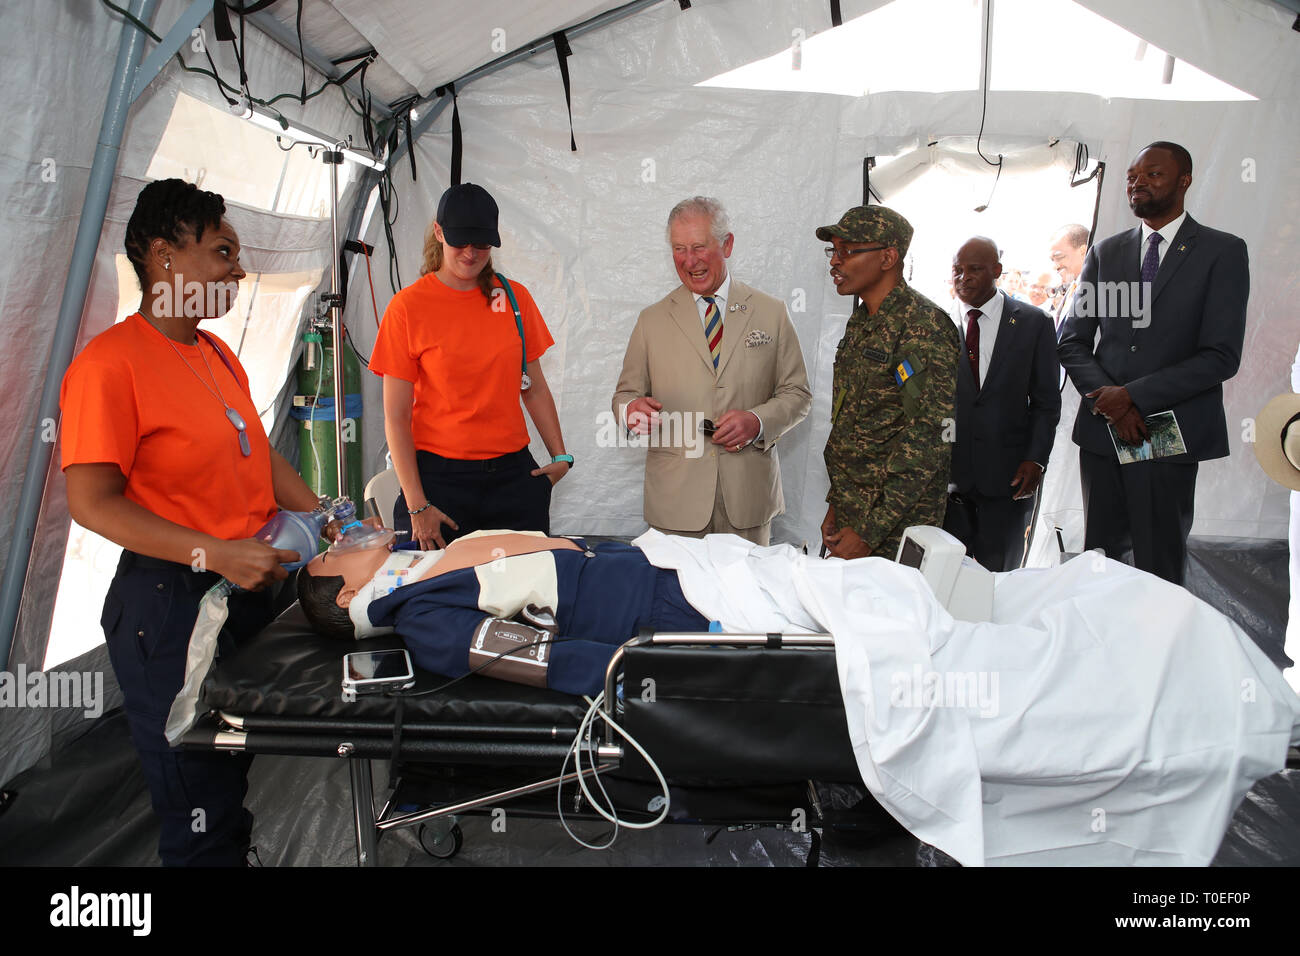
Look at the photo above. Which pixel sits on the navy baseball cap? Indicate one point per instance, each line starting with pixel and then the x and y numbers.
pixel 468 216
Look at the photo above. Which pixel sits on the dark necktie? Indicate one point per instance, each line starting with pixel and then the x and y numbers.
pixel 1150 266
pixel 973 344
pixel 1151 262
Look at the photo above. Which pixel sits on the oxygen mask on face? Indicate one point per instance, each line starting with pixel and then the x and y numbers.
pixel 288 530
pixel 357 535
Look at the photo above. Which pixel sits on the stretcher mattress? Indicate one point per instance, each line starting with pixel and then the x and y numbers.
pixel 290 671
pixel 704 713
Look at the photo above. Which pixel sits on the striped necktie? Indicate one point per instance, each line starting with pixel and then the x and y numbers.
pixel 713 328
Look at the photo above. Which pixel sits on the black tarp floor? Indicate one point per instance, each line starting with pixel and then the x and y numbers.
pixel 86 805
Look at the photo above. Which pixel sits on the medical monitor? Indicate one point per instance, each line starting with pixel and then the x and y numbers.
pixel 959 582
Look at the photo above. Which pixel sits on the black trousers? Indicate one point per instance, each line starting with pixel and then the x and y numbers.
pixel 148 617
pixel 996 531
pixel 1146 507
pixel 489 495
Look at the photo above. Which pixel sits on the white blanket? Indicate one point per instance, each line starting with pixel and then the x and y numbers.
pixel 1105 717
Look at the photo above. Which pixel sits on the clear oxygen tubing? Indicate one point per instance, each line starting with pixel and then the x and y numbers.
pixel 288 530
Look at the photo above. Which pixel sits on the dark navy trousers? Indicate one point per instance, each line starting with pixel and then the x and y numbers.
pixel 494 494
pixel 148 617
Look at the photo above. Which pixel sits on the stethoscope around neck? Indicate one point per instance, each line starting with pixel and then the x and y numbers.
pixel 525 383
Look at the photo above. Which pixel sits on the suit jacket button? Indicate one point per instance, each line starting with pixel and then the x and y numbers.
pixel 1132 348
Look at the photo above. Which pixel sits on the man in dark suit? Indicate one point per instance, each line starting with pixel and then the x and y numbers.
pixel 1007 407
pixel 1170 300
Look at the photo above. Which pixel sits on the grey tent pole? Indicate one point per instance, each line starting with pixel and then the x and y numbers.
pixel 130 48
pixel 180 32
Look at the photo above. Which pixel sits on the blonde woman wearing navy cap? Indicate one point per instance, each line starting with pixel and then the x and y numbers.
pixel 459 350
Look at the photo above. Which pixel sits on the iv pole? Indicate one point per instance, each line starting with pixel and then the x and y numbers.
pixel 333 156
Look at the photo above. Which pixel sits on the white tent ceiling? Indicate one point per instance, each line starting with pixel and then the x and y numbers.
pixel 422 45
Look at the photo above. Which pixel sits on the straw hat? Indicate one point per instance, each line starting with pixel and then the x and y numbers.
pixel 1277 440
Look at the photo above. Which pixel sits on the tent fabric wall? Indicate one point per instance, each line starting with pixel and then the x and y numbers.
pixel 584 230
pixel 40 220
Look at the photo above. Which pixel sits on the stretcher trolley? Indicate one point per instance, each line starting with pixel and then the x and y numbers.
pixel 746 730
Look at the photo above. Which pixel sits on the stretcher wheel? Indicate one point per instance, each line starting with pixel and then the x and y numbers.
pixel 440 843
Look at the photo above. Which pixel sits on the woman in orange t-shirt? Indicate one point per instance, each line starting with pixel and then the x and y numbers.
pixel 163 453
pixel 461 364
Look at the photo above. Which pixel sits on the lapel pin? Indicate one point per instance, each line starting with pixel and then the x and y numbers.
pixel 1013 321
pixel 1181 247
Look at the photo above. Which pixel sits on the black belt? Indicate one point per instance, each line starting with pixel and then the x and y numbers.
pixel 192 579
pixel 437 464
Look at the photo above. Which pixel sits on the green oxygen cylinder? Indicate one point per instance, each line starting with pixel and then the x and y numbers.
pixel 314 409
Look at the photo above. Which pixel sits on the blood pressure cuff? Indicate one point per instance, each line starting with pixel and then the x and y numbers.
pixel 510 651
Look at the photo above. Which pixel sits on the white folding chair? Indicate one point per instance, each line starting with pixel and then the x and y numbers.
pixel 381 494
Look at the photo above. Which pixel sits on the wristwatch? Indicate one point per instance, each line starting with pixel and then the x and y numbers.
pixel 568 458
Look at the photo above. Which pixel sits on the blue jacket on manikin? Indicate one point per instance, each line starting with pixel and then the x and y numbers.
pixel 606 594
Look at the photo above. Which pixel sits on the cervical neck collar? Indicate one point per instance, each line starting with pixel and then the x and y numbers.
pixel 379 585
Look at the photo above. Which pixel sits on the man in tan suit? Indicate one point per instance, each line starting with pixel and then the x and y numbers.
pixel 716 353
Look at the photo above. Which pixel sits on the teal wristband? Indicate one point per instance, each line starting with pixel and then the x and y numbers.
pixel 566 458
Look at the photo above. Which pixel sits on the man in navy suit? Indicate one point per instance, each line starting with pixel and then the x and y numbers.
pixel 1169 298
pixel 1008 404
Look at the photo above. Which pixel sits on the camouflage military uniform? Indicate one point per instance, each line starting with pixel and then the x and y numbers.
pixel 888 455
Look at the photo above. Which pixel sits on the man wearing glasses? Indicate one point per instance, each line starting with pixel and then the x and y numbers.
pixel 895 380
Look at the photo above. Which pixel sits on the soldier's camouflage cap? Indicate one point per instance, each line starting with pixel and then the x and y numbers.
pixel 871 224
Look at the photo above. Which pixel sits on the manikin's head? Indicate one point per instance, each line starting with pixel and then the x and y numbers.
pixel 329 582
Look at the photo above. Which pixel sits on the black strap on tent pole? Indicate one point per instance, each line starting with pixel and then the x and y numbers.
pixel 410 142
pixel 563 52
pixel 455 131
pixel 684 4
pixel 244 9
pixel 1100 173
pixel 221 21
pixel 226 33
pixel 868 164
pixel 1080 164
pixel 457 144
pixel 836 18
pixel 221 24
pixel 302 59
